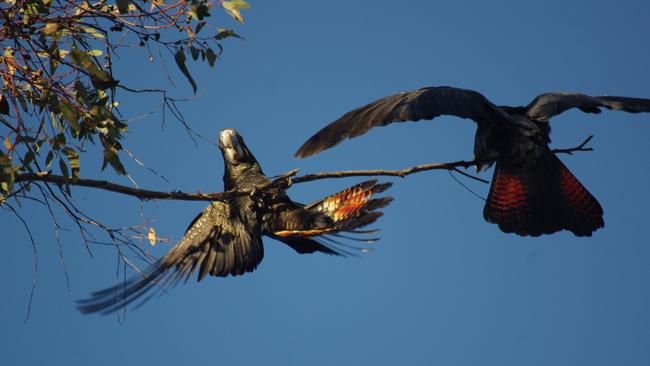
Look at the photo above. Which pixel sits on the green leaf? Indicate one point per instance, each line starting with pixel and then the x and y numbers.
pixel 225 33
pixel 198 10
pixel 8 144
pixel 93 32
pixel 70 115
pixel 49 157
pixel 241 4
pixel 66 174
pixel 43 99
pixel 58 141
pixel 23 101
pixel 4 105
pixel 110 157
pixel 39 143
pixel 50 28
pixel 84 61
pixel 198 27
pixel 82 93
pixel 25 138
pixel 64 168
pixel 73 159
pixel 29 156
pixel 54 51
pixel 6 173
pixel 211 56
pixel 100 78
pixel 102 84
pixel 232 7
pixel 94 53
pixel 195 52
pixel 123 6
pixel 180 62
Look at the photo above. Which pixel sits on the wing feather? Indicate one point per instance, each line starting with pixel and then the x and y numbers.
pixel 547 105
pixel 220 242
pixel 426 103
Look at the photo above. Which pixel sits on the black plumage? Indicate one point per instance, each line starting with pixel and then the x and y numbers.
pixel 532 192
pixel 225 239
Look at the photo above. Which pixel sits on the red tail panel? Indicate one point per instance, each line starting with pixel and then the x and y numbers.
pixel 541 199
pixel 348 209
pixel 577 194
pixel 585 213
pixel 508 203
pixel 351 202
pixel 348 203
pixel 509 192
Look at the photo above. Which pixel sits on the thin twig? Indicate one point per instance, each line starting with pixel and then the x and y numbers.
pixel 578 148
pixel 465 186
pixel 57 228
pixel 35 276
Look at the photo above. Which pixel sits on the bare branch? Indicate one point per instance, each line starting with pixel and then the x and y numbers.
pixel 425 167
pixel 285 180
pixel 381 172
pixel 143 194
pixel 578 148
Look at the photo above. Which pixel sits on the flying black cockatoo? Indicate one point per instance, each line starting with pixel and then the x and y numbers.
pixel 532 192
pixel 226 238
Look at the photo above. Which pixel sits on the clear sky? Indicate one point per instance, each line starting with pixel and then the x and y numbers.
pixel 443 287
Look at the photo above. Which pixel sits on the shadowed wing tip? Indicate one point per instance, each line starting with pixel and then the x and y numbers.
pixel 314 145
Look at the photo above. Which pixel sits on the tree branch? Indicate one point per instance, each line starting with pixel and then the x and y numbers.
pixel 143 194
pixel 424 167
pixel 284 180
pixel 381 172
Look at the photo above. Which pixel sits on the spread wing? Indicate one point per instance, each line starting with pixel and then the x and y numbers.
pixel 548 105
pixel 220 242
pixel 425 103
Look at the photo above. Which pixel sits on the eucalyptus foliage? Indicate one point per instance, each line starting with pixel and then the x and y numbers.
pixel 58 92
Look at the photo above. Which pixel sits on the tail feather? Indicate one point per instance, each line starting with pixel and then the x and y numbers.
pixel 354 207
pixel 541 199
pixel 352 202
pixel 589 213
pixel 507 203
pixel 346 211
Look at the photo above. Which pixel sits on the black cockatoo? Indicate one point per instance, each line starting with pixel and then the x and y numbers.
pixel 532 192
pixel 226 238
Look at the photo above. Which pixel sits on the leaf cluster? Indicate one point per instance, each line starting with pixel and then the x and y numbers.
pixel 59 93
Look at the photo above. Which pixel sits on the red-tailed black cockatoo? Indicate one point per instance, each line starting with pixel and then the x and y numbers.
pixel 225 239
pixel 532 191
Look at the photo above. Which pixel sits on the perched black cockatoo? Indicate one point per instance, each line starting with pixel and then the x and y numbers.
pixel 532 192
pixel 226 238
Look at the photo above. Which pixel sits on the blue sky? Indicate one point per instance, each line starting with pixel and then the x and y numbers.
pixel 443 287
